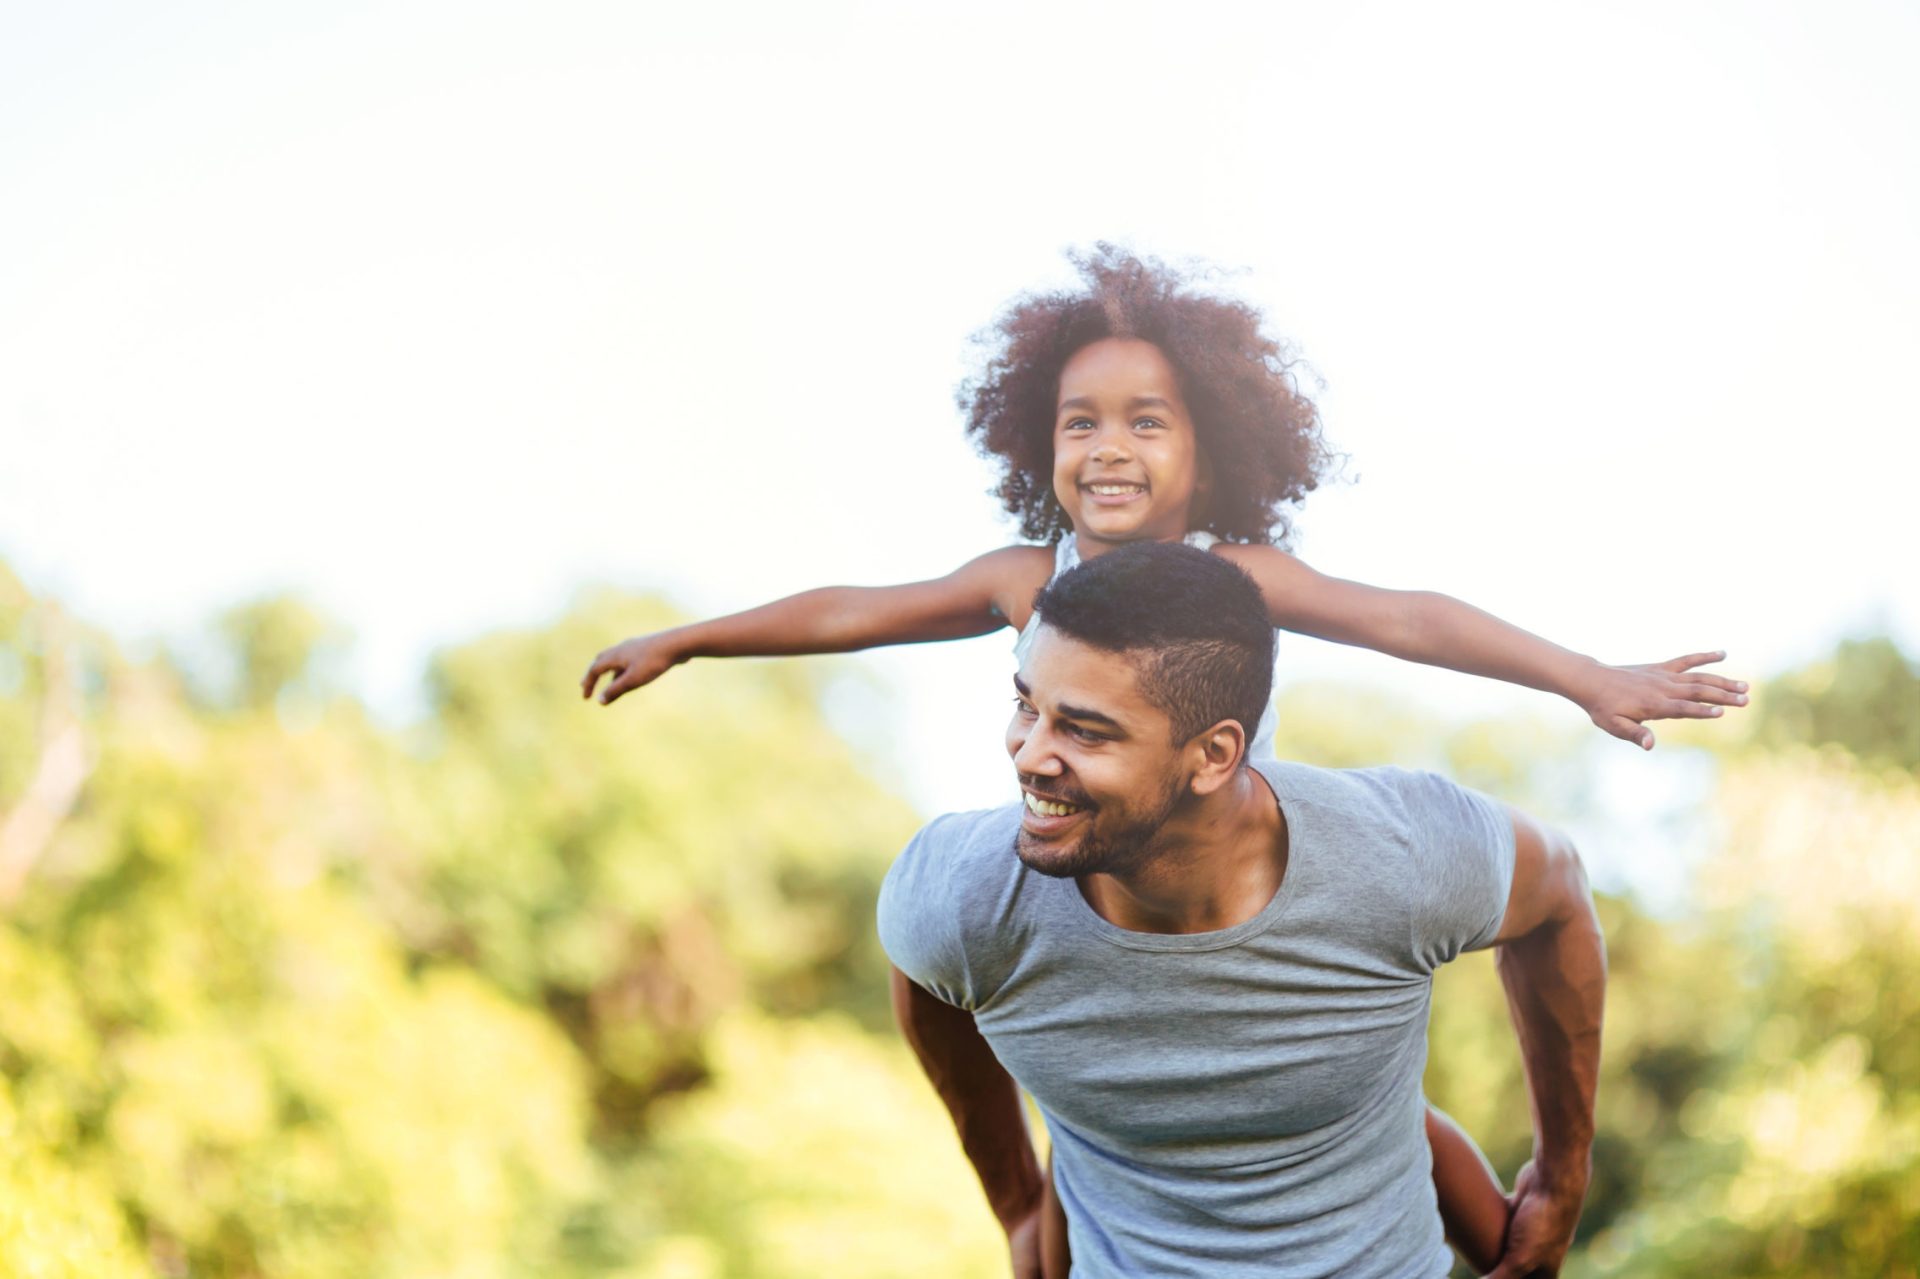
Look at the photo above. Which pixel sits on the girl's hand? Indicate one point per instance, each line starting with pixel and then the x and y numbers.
pixel 1624 696
pixel 1023 1242
pixel 632 664
pixel 1542 1227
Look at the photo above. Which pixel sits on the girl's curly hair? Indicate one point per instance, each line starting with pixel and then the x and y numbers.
pixel 1258 432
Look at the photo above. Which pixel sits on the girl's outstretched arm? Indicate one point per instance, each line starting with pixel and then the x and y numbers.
pixel 1424 626
pixel 980 596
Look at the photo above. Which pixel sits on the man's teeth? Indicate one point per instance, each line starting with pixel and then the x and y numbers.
pixel 1046 808
pixel 1116 490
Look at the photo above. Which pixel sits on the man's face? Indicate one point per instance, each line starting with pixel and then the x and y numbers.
pixel 1096 761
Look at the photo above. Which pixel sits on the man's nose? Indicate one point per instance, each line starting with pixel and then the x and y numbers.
pixel 1031 753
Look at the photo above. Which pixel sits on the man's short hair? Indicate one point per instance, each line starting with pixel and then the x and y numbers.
pixel 1194 626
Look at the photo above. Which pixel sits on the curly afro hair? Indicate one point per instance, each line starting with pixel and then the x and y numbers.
pixel 1261 435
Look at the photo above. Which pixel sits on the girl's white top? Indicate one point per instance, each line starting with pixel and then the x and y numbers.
pixel 1066 554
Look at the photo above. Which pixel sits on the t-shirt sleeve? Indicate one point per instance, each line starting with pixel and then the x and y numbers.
pixel 1461 843
pixel 919 916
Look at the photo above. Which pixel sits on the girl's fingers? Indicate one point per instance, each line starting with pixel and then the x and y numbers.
pixel 1718 694
pixel 600 667
pixel 1628 730
pixel 1692 660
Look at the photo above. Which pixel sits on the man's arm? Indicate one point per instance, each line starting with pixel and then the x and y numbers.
pixel 985 1105
pixel 1553 963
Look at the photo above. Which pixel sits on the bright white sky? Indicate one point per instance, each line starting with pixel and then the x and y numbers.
pixel 438 312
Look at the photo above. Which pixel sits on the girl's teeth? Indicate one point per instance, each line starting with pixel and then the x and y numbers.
pixel 1115 490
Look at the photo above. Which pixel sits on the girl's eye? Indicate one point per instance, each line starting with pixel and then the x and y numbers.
pixel 1078 424
pixel 1149 423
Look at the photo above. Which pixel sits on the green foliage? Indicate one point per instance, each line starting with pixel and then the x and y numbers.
pixel 809 1153
pixel 298 996
pixel 642 869
pixel 542 988
pixel 278 647
pixel 1759 1105
pixel 58 1218
pixel 1865 698
pixel 224 1035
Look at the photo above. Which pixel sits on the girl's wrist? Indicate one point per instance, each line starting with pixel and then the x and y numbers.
pixel 1581 680
pixel 684 643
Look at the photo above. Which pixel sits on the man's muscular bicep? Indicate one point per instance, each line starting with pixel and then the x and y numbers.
pixel 1549 879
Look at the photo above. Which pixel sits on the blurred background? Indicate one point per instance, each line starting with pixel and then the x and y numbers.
pixel 365 369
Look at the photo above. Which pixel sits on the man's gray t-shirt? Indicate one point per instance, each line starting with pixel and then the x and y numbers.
pixel 1243 1102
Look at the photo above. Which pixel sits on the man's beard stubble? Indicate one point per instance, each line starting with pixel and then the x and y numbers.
pixel 1119 849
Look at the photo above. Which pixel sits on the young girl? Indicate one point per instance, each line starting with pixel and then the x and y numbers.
pixel 1139 408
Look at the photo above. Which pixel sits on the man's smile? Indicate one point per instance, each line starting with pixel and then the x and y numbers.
pixel 1046 816
pixel 1049 808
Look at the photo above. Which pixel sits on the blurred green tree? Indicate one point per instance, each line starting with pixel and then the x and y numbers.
pixel 539 988
pixel 1864 698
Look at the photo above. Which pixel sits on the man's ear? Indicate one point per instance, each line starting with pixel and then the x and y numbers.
pixel 1216 754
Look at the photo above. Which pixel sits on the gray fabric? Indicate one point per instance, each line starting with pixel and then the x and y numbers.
pixel 1236 1103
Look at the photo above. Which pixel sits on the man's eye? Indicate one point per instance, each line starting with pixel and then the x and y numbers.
pixel 1021 706
pixel 1085 734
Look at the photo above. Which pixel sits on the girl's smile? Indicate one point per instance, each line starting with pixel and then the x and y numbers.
pixel 1125 460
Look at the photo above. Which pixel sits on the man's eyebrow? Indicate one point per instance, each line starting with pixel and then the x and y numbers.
pixel 1074 712
pixel 1091 717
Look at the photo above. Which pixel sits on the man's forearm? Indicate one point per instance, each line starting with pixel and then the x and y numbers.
pixel 980 1095
pixel 1556 980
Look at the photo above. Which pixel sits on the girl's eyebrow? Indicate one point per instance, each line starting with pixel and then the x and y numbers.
pixel 1138 401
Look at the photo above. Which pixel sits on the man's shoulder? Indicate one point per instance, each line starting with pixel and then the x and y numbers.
pixel 940 897
pixel 1377 796
pixel 1415 838
pixel 954 860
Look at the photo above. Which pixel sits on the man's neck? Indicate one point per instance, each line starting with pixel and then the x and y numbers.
pixel 1216 864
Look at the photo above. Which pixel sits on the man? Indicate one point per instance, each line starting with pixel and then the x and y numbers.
pixel 1213 976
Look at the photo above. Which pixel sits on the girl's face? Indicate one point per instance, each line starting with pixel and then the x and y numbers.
pixel 1126 464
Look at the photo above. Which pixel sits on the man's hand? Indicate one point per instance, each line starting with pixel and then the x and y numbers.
pixel 1541 1229
pixel 1621 698
pixel 632 664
